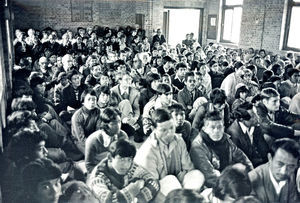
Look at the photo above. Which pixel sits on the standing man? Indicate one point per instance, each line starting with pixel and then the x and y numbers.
pixel 158 38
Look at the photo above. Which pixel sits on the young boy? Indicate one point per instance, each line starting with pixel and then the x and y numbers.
pixel 178 78
pixel 183 126
pixel 118 179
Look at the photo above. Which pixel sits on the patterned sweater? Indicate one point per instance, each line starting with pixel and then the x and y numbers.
pixel 107 187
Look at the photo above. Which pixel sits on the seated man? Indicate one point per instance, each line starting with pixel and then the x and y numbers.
pixel 247 134
pixel 178 78
pixel 276 121
pixel 118 179
pixel 85 120
pixel 128 100
pixel 165 156
pixel 98 143
pixel 189 93
pixel 275 180
pixel 162 99
pixel 183 126
pixel 212 150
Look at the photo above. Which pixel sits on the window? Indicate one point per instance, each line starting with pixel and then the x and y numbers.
pixel 292 32
pixel 231 20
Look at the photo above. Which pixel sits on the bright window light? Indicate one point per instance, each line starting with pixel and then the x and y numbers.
pixel 233 2
pixel 232 24
pixel 294 32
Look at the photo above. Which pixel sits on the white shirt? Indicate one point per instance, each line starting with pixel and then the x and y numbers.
pixel 277 186
pixel 248 131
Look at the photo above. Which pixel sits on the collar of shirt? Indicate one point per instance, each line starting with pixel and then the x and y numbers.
pixel 277 186
pixel 248 131
pixel 122 91
pixel 176 77
pixel 106 139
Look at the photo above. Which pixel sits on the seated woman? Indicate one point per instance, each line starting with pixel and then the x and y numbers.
pixel 232 184
pixel 118 179
pixel 41 182
pixel 98 143
pixel 240 96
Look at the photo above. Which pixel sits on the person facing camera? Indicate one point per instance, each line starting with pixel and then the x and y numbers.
pixel 165 156
pixel 118 179
pixel 212 150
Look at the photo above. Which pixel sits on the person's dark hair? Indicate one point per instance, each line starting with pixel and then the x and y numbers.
pixel 247 199
pixel 240 90
pixel 180 65
pixel 274 78
pixel 275 68
pixel 71 187
pixel 21 104
pixel 151 77
pixel 188 74
pixel 256 98
pixel 176 107
pixel 123 148
pixel 38 171
pixel 218 96
pixel 268 85
pixel 36 80
pixel 251 67
pixel 266 93
pixel 266 75
pixel 233 182
pixel 212 62
pixel 89 91
pixel 72 72
pixel 240 113
pixel 109 114
pixel 23 144
pixel 104 89
pixel 22 90
pixel 288 145
pixel 183 196
pixel 19 119
pixel 213 116
pixel 160 116
pixel 237 65
pixel 163 88
pixel 291 72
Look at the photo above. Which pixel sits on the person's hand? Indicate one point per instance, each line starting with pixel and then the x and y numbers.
pixel 135 187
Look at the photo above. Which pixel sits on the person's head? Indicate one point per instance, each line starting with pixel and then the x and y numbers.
pixel 218 98
pixel 42 181
pixel 165 93
pixel 242 92
pixel 294 75
pixel 181 70
pixel 22 104
pixel 262 53
pixel 266 75
pixel 43 63
pixel 75 78
pixel 28 145
pixel 277 69
pixel 189 81
pixel 38 84
pixel 158 32
pixel 271 99
pixel 77 192
pixel 96 71
pixel 111 121
pixel 246 114
pixel 152 80
pixel 126 80
pixel 178 114
pixel 247 75
pixel 166 79
pixel 104 95
pixel 283 158
pixel 121 156
pixel 67 61
pixel 239 67
pixel 233 183
pixel 89 99
pixel 214 125
pixel 62 79
pixel 164 126
pixel 183 196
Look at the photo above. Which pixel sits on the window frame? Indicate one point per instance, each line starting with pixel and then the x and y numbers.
pixel 290 6
pixel 224 8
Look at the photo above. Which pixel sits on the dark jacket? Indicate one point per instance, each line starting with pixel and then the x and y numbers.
pixel 208 162
pixel 257 151
pixel 160 39
pixel 281 126
pixel 187 99
pixel 69 97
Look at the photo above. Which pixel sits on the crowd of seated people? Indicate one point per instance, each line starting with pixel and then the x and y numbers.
pixel 110 115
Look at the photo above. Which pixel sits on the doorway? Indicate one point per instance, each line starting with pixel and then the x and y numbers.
pixel 180 21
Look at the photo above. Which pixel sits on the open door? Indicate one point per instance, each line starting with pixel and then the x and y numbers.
pixel 178 22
